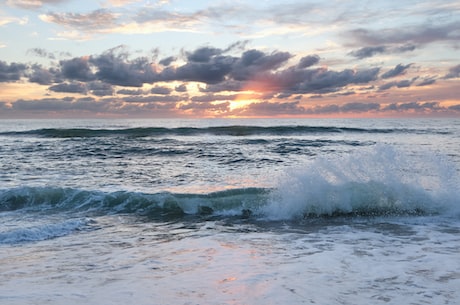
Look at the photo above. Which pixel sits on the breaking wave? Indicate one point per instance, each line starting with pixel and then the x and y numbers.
pixel 376 181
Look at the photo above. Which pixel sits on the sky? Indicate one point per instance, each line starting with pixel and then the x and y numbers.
pixel 229 59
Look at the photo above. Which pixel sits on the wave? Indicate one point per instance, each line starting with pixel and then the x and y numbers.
pixel 42 231
pixel 235 130
pixel 379 180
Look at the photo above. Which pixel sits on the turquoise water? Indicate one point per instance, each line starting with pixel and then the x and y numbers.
pixel 229 211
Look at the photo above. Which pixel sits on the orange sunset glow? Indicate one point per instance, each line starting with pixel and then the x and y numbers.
pixel 168 59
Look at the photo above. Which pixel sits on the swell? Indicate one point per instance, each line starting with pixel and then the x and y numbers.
pixel 235 130
pixel 283 203
pixel 165 204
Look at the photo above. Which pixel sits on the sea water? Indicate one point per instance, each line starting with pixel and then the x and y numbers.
pixel 271 211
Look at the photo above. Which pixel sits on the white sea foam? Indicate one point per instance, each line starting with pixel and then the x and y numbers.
pixel 22 233
pixel 378 180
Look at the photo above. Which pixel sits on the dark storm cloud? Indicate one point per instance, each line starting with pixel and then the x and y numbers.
pixel 72 87
pixel 11 72
pixel 398 70
pixel 368 51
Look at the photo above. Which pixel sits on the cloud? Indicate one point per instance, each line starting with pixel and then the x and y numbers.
pixel 43 105
pixel 359 107
pixel 226 85
pixel 353 107
pixel 11 72
pixel 31 4
pixel 322 80
pixel 454 72
pixel 130 91
pixel 94 21
pixel 426 82
pixel 398 70
pixel 218 71
pixel 368 51
pixel 408 36
pixel 42 75
pixel 41 53
pixel 181 88
pixel 211 72
pixel 125 2
pixel 308 61
pixel 120 80
pixel 254 62
pixel 114 67
pixel 77 69
pixel 414 106
pixel 398 84
pixel 7 20
pixel 203 108
pixel 203 54
pixel 167 61
pixel 99 88
pixel 72 87
pixel 160 90
pixel 213 98
pixel 272 108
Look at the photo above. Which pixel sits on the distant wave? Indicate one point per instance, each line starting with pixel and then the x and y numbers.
pixel 236 130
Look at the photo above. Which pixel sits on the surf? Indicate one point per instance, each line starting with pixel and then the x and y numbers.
pixel 231 130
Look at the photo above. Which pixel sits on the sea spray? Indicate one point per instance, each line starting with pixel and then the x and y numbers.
pixel 376 181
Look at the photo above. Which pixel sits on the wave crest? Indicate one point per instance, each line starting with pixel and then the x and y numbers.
pixel 377 181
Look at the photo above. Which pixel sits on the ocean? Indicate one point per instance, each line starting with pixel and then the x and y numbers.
pixel 230 211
